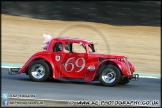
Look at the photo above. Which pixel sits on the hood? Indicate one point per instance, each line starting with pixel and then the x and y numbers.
pixel 108 56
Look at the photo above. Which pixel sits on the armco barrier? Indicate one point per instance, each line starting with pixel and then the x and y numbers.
pixel 110 12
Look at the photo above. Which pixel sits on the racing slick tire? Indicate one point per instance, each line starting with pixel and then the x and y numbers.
pixel 109 75
pixel 124 81
pixel 39 71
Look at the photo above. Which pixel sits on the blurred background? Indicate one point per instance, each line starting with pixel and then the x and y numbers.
pixel 128 28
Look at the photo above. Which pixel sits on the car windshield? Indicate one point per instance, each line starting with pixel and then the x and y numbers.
pixel 91 48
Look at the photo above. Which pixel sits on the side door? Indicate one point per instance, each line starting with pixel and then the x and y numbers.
pixel 57 56
pixel 74 65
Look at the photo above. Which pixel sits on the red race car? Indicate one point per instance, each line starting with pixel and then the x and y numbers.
pixel 60 60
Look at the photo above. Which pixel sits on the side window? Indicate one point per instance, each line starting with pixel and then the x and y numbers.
pixel 91 48
pixel 57 47
pixel 79 48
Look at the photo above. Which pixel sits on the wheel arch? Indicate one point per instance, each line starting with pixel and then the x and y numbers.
pixel 108 62
pixel 43 59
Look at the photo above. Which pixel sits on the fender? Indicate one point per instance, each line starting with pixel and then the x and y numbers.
pixel 131 66
pixel 117 62
pixel 120 64
pixel 40 55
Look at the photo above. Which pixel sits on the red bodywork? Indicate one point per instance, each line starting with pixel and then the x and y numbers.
pixel 78 65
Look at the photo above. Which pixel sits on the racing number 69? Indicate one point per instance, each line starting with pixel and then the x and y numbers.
pixel 76 64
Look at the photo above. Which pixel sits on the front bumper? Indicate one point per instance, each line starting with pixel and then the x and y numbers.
pixel 135 76
pixel 13 71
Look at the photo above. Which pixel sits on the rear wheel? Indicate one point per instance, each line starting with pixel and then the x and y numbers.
pixel 39 70
pixel 109 75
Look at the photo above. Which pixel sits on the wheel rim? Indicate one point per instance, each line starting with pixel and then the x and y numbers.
pixel 38 71
pixel 108 75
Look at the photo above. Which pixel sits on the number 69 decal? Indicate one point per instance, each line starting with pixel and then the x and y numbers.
pixel 76 64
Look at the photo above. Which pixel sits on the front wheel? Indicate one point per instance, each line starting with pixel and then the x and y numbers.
pixel 109 75
pixel 39 70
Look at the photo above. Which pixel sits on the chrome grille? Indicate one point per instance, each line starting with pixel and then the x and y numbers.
pixel 126 60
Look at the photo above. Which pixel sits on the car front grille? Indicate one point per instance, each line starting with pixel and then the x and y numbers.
pixel 126 61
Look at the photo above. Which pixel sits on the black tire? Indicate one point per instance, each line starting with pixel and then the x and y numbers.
pixel 46 71
pixel 112 69
pixel 124 81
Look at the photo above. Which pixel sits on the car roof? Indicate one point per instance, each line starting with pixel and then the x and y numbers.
pixel 73 40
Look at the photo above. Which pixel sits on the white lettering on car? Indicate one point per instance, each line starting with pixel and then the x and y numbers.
pixel 76 64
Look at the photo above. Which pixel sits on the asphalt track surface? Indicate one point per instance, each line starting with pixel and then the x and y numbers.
pixel 143 89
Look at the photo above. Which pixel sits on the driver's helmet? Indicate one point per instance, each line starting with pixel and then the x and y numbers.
pixel 60 47
pixel 67 46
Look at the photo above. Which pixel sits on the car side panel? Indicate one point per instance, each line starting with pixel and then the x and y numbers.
pixel 74 65
pixel 93 63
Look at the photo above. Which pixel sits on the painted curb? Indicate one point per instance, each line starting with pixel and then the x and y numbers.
pixel 141 74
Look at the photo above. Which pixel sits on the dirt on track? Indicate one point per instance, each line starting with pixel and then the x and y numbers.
pixel 22 37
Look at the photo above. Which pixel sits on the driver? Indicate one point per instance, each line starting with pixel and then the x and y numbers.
pixel 67 47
